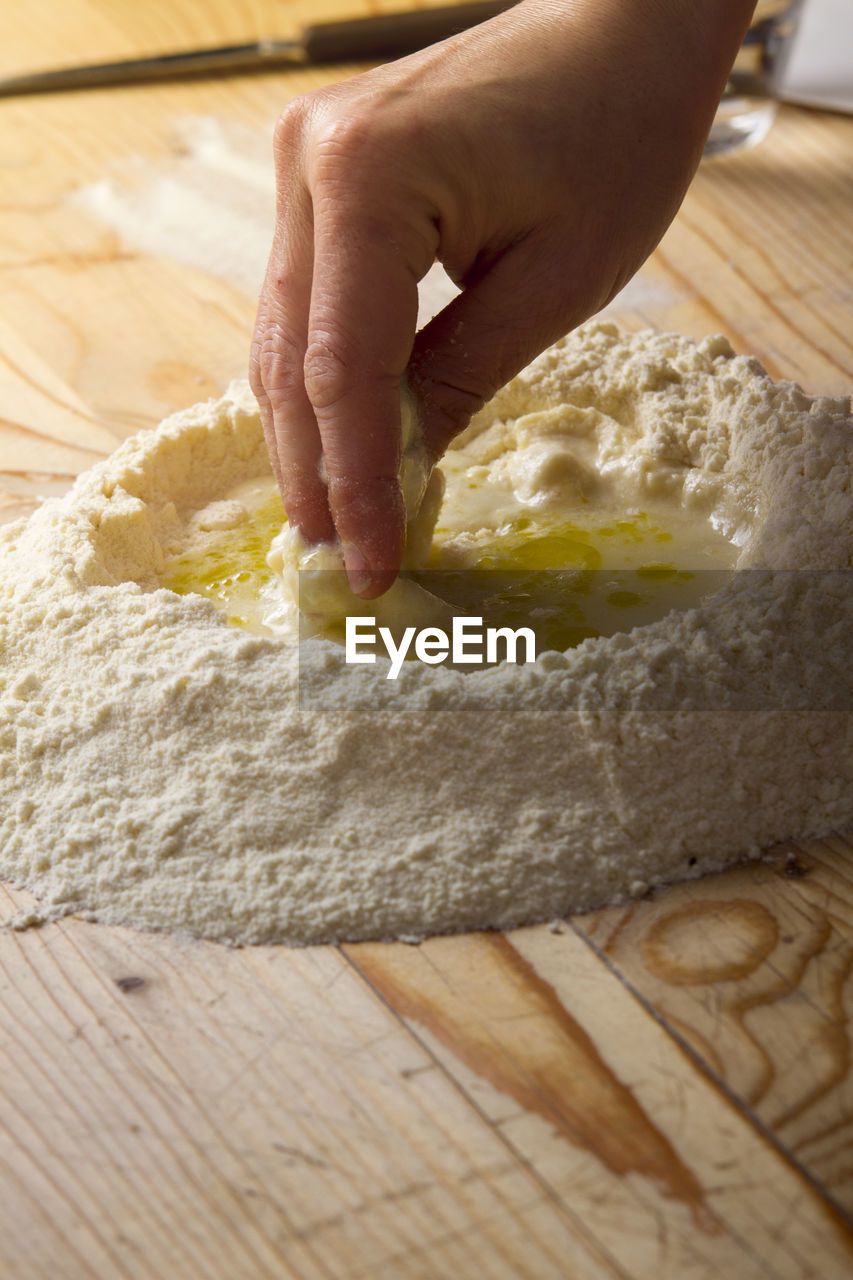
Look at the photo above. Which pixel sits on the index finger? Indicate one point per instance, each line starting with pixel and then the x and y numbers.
pixel 361 330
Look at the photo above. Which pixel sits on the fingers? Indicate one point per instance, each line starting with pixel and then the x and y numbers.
pixel 278 352
pixel 363 313
pixel 256 382
pixel 333 337
pixel 290 428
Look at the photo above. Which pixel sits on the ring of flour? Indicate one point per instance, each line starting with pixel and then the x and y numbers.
pixel 155 767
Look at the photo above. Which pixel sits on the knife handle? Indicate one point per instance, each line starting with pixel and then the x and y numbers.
pixel 390 35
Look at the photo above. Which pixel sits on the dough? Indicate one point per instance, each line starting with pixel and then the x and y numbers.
pixel 313 576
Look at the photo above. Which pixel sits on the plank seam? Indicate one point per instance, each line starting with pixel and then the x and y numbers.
pixel 737 1102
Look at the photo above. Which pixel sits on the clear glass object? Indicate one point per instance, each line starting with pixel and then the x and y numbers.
pixel 748 105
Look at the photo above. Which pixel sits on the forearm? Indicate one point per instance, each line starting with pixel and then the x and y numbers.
pixel 689 44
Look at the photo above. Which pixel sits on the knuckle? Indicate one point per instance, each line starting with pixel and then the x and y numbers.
pixel 343 132
pixel 348 141
pixel 326 373
pixel 255 379
pixel 276 363
pixel 255 351
pixel 326 129
pixel 290 124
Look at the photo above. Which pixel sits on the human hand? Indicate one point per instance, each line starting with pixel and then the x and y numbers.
pixel 540 157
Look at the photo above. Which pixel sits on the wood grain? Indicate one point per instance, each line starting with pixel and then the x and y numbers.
pixel 658 1092
pixel 637 1147
pixel 293 1127
pixel 732 973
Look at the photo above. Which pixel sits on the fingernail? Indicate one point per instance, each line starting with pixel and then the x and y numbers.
pixel 358 574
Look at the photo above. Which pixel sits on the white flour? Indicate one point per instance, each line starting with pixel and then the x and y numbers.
pixel 156 768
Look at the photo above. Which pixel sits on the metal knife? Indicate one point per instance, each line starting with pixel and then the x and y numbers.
pixel 374 39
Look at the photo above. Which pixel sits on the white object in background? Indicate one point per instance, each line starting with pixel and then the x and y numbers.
pixel 820 69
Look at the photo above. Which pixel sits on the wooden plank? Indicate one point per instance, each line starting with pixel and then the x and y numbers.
pixel 47 429
pixel 182 1105
pixel 585 1083
pixel 752 969
pixel 183 1109
pixel 48 435
pixel 135 335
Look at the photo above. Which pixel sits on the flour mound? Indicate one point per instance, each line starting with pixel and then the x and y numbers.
pixel 157 767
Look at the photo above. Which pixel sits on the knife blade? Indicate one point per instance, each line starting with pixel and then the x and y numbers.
pixel 376 38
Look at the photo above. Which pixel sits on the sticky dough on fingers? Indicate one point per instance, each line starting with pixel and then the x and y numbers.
pixel 313 574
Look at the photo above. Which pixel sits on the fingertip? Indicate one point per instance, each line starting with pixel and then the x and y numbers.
pixel 371 521
pixel 365 580
pixel 314 523
pixel 307 507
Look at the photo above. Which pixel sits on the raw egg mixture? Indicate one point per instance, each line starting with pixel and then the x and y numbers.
pixel 570 575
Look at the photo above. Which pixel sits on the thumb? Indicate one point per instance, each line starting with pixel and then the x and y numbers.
pixel 505 316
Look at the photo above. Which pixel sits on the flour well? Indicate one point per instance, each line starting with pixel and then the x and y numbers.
pixel 155 767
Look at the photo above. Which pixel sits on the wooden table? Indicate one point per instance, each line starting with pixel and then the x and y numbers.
pixel 662 1091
